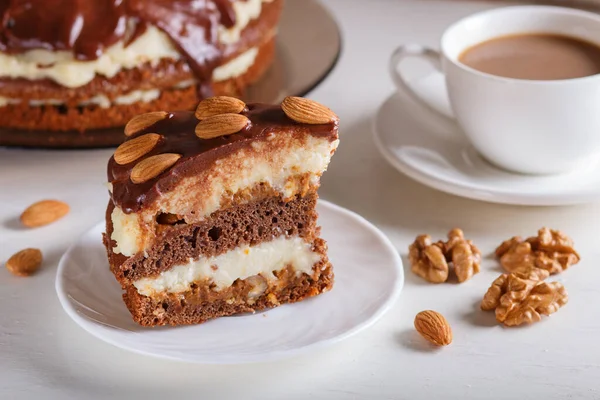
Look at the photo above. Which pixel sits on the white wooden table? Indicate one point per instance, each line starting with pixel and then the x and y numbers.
pixel 43 354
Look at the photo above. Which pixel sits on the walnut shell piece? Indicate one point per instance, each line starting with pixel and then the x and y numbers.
pixel 427 260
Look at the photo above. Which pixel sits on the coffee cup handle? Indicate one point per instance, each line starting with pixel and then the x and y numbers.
pixel 440 107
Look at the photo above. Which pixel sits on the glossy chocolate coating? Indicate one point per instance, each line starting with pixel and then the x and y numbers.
pixel 178 131
pixel 88 27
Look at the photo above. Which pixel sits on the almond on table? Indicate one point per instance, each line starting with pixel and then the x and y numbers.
pixel 433 327
pixel 43 213
pixel 25 262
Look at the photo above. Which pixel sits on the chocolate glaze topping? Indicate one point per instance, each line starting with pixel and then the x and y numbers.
pixel 88 27
pixel 199 154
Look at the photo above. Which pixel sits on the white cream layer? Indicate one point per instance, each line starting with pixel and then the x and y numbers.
pixel 100 100
pixel 234 68
pixel 245 11
pixel 152 46
pixel 239 263
pixel 126 232
pixel 61 66
pixel 236 173
pixel 249 170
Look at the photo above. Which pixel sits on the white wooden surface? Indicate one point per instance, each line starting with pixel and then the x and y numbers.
pixel 43 354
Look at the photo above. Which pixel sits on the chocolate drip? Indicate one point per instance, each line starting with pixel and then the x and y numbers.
pixel 194 33
pixel 85 27
pixel 199 154
pixel 88 27
pixel 227 12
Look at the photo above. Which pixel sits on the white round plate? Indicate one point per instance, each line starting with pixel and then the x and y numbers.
pixel 368 280
pixel 424 148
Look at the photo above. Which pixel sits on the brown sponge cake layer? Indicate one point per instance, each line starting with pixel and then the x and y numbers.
pixel 201 303
pixel 250 223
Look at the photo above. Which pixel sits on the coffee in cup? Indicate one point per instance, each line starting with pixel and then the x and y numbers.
pixel 534 56
pixel 522 83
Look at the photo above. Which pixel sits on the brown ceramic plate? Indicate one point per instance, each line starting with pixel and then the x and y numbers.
pixel 308 46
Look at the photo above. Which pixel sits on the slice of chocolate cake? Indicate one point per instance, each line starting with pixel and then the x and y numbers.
pixel 212 213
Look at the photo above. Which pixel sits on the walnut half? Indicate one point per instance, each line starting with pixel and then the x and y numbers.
pixel 517 283
pixel 544 299
pixel 551 250
pixel 427 260
pixel 430 260
pixel 465 256
pixel 521 298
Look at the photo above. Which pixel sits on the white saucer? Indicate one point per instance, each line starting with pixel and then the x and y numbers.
pixel 424 148
pixel 368 280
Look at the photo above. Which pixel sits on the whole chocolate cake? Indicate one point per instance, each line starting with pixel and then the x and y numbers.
pixel 74 66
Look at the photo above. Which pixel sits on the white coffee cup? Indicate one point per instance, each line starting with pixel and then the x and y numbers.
pixel 526 126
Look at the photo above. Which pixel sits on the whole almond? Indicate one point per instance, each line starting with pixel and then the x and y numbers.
pixel 43 213
pixel 143 121
pixel 133 149
pixel 433 327
pixel 219 105
pixel 25 262
pixel 151 167
pixel 221 125
pixel 307 111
